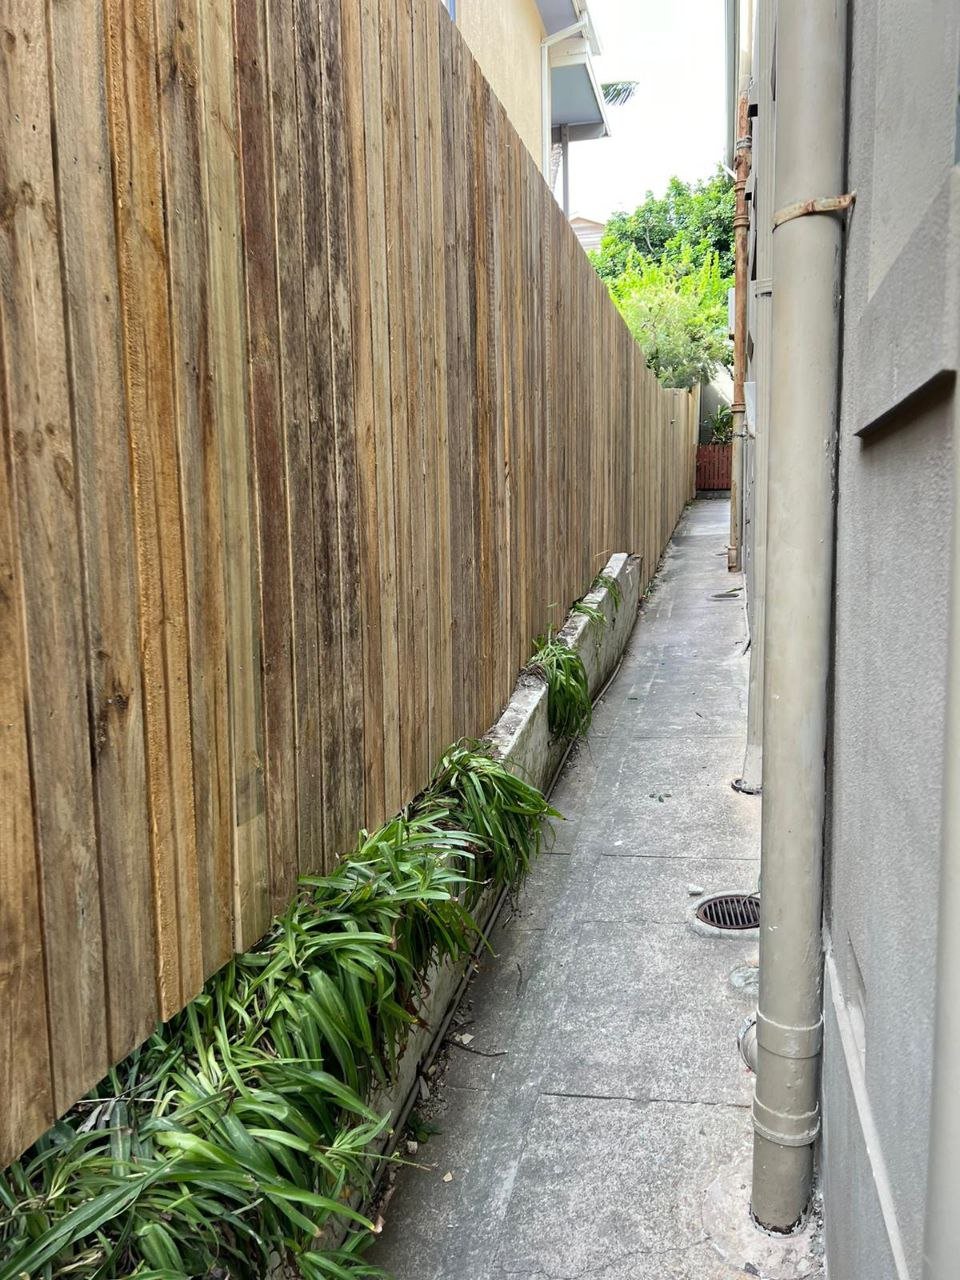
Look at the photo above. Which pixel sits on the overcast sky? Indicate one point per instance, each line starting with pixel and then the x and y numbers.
pixel 675 122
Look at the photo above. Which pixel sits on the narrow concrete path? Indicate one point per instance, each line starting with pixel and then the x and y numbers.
pixel 586 1148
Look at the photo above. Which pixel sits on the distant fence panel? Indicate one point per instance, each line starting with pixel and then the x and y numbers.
pixel 714 463
pixel 314 415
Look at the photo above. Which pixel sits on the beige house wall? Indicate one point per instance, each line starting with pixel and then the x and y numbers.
pixel 505 40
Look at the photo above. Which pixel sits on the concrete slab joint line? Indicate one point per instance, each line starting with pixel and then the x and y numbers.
pixel 611 1139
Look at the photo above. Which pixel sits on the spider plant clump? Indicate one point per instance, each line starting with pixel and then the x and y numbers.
pixel 502 810
pixel 593 613
pixel 237 1140
pixel 569 709
pixel 606 581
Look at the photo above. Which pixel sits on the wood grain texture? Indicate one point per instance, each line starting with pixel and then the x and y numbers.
pixel 269 451
pixel 131 49
pixel 429 15
pixel 295 413
pixel 351 32
pixel 339 266
pixel 42 507
pixel 88 253
pixel 25 1060
pixel 412 553
pixel 227 339
pixel 316 292
pixel 188 285
pixel 379 244
pixel 314 417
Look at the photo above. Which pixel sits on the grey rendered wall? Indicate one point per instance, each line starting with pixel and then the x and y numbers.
pixel 898 417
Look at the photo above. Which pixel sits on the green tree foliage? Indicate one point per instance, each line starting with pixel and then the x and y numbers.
pixel 668 266
pixel 678 314
pixel 695 217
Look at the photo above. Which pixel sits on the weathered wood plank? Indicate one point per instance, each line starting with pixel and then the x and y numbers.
pixel 483 606
pixel 426 254
pixel 442 674
pixel 95 365
pixel 322 415
pixel 351 31
pixel 451 463
pixel 188 286
pixel 25 1061
pixel 131 51
pixel 399 303
pixel 419 612
pixel 463 476
pixel 295 410
pixel 385 527
pixel 337 179
pixel 42 509
pixel 269 450
pixel 228 369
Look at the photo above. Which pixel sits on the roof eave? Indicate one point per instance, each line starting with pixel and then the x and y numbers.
pixel 571 56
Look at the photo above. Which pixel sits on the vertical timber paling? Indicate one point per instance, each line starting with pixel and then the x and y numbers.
pixel 314 416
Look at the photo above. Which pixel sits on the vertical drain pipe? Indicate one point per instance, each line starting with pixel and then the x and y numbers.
pixel 751 777
pixel 741 228
pixel 943 1174
pixel 807 244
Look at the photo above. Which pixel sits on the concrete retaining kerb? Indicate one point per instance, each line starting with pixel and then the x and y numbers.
pixel 522 739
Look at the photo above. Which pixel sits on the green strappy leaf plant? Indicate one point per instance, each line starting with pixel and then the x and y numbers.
pixel 244 1132
pixel 569 709
pixel 606 581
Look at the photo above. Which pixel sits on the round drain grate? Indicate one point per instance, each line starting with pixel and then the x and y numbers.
pixel 734 911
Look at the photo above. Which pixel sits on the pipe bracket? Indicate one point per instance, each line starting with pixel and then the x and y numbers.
pixel 789 1042
pixel 823 204
pixel 783 1129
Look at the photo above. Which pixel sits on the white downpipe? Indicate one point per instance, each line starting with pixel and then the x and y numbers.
pixel 751 776
pixel 546 126
pixel 807 257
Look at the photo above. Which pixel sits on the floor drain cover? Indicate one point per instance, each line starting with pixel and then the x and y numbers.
pixel 730 911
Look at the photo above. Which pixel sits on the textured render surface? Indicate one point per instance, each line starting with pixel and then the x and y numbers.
pixel 505 40
pixel 894 520
pixel 601 1100
pixel 853 1183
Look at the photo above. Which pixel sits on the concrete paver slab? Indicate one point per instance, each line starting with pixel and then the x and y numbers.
pixel 660 890
pixel 635 1197
pixel 652 1014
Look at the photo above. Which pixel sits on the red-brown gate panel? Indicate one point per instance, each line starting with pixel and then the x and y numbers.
pixel 713 466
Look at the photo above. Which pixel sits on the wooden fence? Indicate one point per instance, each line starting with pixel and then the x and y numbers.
pixel 714 463
pixel 314 415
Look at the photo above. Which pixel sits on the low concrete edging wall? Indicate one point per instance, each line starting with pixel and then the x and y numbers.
pixel 522 739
